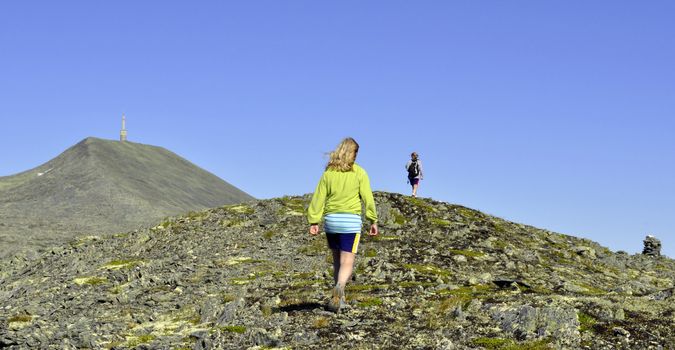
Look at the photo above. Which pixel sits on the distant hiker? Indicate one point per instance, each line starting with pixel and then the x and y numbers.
pixel 415 174
pixel 338 199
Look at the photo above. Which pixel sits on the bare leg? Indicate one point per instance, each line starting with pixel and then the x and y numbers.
pixel 415 186
pixel 346 267
pixel 336 264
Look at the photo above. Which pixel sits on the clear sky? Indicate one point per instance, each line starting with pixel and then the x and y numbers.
pixel 557 114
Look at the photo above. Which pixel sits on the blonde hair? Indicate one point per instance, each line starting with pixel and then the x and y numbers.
pixel 343 157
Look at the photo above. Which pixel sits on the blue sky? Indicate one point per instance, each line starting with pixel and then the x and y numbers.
pixel 554 114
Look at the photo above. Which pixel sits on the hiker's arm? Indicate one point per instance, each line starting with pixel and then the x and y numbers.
pixel 367 195
pixel 316 206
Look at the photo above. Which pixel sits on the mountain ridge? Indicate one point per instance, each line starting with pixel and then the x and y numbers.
pixel 439 276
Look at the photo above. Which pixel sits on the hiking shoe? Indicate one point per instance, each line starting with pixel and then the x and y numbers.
pixel 343 304
pixel 337 299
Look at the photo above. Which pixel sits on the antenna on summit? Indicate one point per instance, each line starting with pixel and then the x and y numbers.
pixel 123 132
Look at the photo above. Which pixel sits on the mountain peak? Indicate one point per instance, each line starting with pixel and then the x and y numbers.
pixel 99 186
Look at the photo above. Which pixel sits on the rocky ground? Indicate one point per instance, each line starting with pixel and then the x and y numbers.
pixel 439 276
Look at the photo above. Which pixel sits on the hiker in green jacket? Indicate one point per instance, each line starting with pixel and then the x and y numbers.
pixel 337 199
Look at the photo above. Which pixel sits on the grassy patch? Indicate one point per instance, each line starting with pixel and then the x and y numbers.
pixel 398 218
pixel 469 214
pixel 370 302
pixel 121 264
pixel 197 215
pixel 382 237
pixel 371 252
pixel 491 343
pixel 499 227
pixel 507 344
pixel 268 235
pixel 241 281
pixel 233 329
pixel 543 344
pixel 362 287
pixel 586 322
pixel 464 295
pixel 421 204
pixel 592 291
pixel 440 222
pixel 296 205
pixel 241 209
pixel 91 281
pixel 20 318
pixel 134 341
pixel 321 322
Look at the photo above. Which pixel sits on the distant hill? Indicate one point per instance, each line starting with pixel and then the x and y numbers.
pixel 249 276
pixel 101 186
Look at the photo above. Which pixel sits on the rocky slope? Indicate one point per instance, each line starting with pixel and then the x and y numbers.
pixel 100 186
pixel 440 276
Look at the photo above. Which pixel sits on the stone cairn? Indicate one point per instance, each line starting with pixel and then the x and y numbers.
pixel 652 246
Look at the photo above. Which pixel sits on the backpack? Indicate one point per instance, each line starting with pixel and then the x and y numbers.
pixel 413 170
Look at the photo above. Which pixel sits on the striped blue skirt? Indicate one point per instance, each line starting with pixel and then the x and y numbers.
pixel 342 223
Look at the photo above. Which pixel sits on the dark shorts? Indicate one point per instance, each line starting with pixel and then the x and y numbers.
pixel 349 242
pixel 414 181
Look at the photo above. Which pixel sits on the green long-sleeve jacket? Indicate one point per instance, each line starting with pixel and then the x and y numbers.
pixel 342 192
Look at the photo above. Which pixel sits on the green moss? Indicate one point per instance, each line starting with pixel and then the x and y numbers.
pixel 440 222
pixel 241 281
pixel 91 281
pixel 497 244
pixel 228 298
pixel 464 295
pixel 592 291
pixel 362 287
pixel 296 205
pixel 234 329
pixel 371 252
pixel 491 343
pixel 20 318
pixel 499 227
pixel 234 222
pixel 398 218
pixel 370 302
pixel 543 344
pixel 134 341
pixel 421 204
pixel 469 214
pixel 382 237
pixel 197 215
pixel 240 209
pixel 586 322
pixel 268 235
pixel 507 344
pixel 467 253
